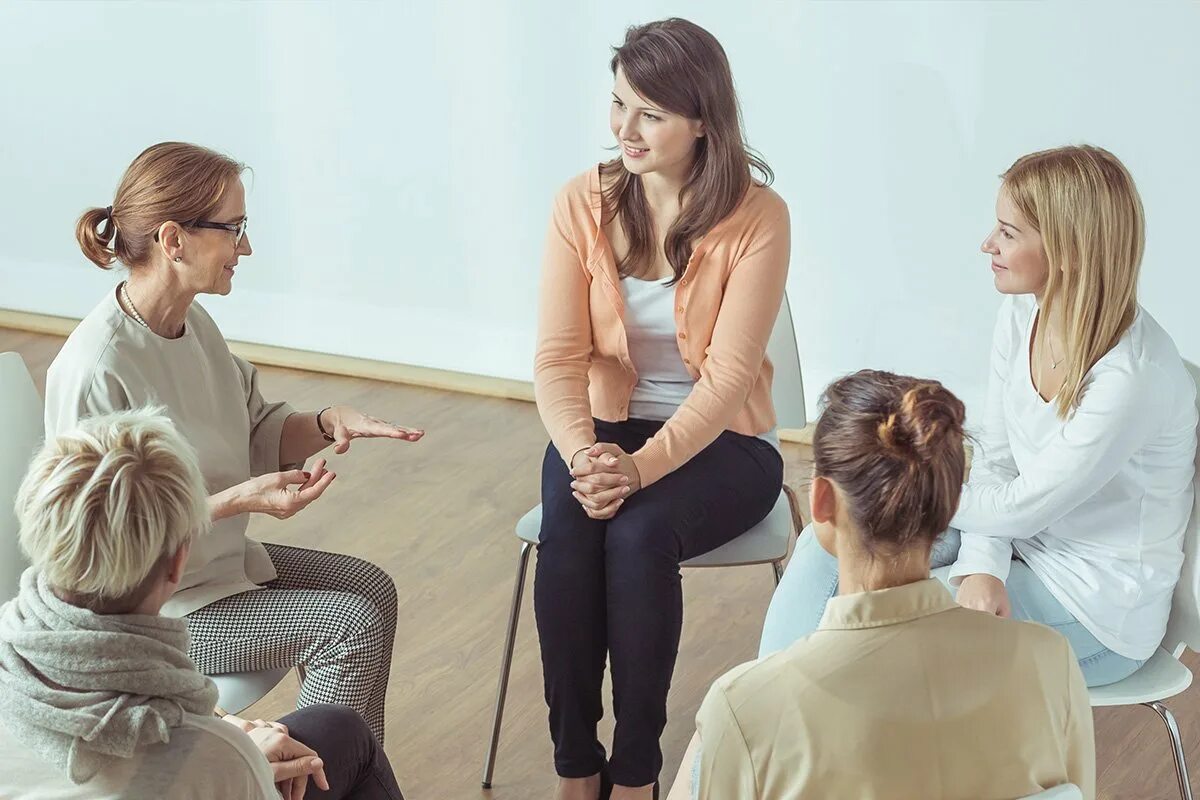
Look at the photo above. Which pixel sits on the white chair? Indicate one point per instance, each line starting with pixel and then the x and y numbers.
pixel 765 543
pixel 1164 675
pixel 237 691
pixel 21 410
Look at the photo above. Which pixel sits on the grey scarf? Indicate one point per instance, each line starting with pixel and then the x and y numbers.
pixel 82 689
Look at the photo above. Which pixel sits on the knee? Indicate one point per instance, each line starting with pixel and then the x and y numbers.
pixel 362 622
pixel 810 546
pixel 564 520
pixel 347 722
pixel 569 560
pixel 385 592
pixel 567 547
pixel 637 537
pixel 378 587
pixel 329 727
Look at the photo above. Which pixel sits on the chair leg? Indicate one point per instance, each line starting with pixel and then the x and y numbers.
pixel 794 504
pixel 1185 787
pixel 514 617
pixel 797 528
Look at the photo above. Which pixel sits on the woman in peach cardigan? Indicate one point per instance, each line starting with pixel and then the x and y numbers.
pixel 664 272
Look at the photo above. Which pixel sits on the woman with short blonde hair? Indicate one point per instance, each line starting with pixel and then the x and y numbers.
pixel 98 698
pixel 105 508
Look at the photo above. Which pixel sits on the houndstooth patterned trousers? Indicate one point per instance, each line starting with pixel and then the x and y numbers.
pixel 333 614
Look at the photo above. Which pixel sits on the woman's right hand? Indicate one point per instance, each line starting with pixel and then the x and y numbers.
pixel 291 762
pixel 273 493
pixel 984 592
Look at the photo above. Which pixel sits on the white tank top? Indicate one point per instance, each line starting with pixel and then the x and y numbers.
pixel 663 380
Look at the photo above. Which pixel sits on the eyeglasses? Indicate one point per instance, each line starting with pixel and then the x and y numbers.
pixel 238 229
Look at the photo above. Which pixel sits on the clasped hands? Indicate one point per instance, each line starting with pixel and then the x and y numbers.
pixel 603 478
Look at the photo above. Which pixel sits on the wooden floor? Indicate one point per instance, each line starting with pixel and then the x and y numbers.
pixel 439 515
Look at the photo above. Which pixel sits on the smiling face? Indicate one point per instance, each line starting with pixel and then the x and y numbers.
pixel 211 255
pixel 1019 261
pixel 652 139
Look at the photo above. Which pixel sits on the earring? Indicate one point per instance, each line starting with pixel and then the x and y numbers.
pixel 178 259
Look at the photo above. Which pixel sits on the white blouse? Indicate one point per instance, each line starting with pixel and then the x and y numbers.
pixel 1096 504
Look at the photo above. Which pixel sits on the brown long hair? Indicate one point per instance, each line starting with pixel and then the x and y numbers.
pixel 680 66
pixel 1083 202
pixel 894 446
pixel 170 181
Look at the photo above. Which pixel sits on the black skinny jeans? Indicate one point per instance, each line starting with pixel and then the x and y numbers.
pixel 612 588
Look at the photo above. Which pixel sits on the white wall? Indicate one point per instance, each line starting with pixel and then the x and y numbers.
pixel 405 155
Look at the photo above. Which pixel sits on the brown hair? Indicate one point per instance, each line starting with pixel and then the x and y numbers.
pixel 171 181
pixel 1083 203
pixel 894 446
pixel 683 68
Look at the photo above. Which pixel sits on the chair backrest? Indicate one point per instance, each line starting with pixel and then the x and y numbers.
pixel 21 410
pixel 787 388
pixel 1183 627
pixel 1065 791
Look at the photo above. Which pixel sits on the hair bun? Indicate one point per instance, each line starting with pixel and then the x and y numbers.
pixel 893 444
pixel 929 413
pixel 891 436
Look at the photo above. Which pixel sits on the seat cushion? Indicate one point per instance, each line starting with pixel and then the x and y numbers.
pixel 1161 677
pixel 764 543
pixel 237 691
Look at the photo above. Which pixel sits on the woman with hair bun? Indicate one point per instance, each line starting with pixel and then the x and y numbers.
pixel 900 691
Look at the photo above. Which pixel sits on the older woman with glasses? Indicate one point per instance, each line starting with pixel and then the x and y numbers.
pixel 178 222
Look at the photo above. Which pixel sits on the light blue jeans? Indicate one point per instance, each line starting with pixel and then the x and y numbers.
pixel 812 578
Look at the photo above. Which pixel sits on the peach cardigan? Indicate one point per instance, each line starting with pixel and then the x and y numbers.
pixel 725 306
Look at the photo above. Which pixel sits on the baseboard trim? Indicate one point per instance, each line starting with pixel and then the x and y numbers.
pixel 36 323
pixel 349 366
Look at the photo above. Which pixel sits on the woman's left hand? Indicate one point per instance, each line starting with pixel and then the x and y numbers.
pixel 345 423
pixel 291 762
pixel 983 592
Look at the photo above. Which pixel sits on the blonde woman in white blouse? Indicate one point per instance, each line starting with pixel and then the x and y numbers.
pixel 1081 486
pixel 178 222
